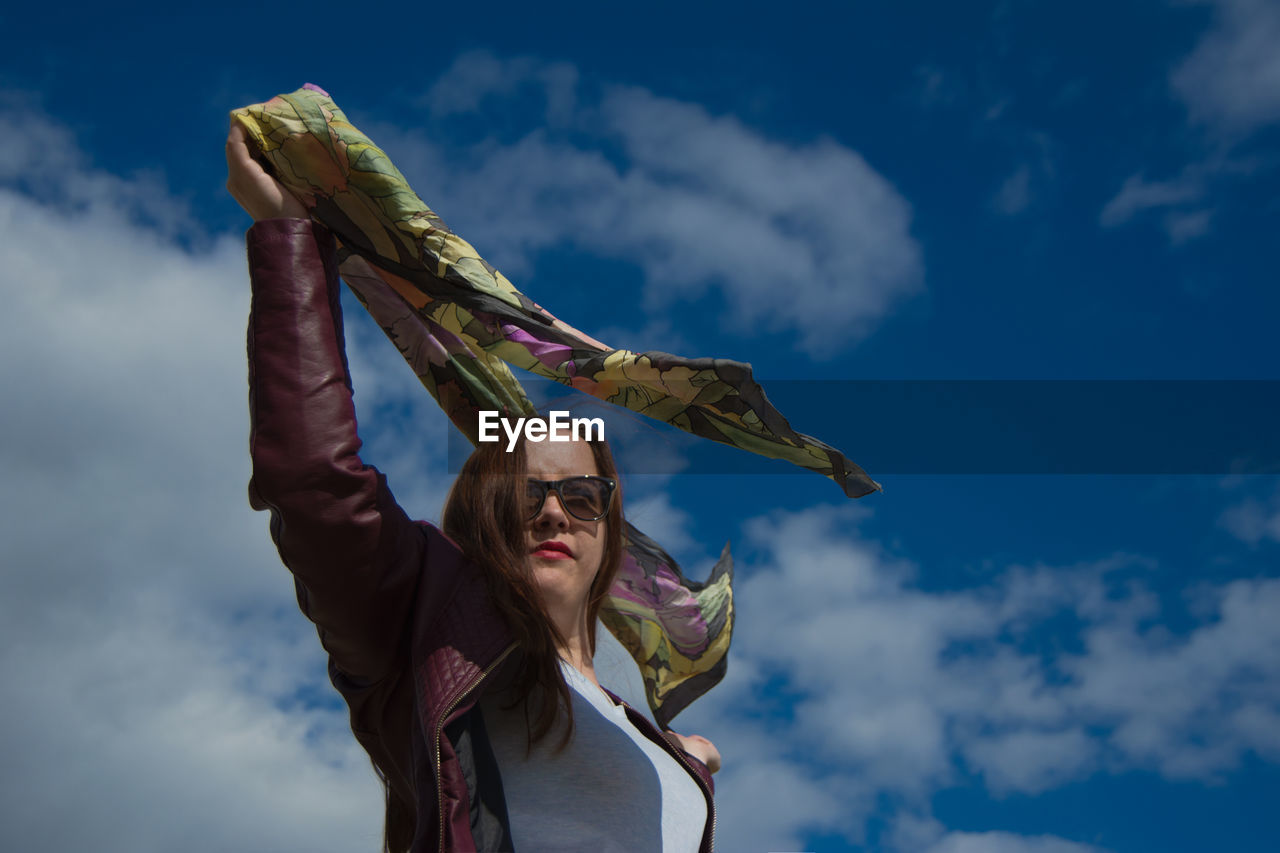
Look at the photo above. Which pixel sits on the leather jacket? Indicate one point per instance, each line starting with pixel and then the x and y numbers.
pixel 412 638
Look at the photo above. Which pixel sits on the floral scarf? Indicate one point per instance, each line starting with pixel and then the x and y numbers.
pixel 459 323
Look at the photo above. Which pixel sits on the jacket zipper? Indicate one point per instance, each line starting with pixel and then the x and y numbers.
pixel 440 732
pixel 711 800
pixel 672 749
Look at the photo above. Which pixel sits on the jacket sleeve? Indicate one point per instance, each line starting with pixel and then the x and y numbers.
pixel 354 553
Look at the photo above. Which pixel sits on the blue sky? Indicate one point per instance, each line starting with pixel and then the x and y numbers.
pixel 965 662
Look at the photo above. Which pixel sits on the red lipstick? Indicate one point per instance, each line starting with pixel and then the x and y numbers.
pixel 552 550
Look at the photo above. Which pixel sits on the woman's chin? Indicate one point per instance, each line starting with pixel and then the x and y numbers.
pixel 559 580
pixel 550 573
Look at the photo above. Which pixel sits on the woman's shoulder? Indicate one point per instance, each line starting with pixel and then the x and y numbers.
pixel 454 603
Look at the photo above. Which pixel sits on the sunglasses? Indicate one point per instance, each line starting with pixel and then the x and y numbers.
pixel 585 498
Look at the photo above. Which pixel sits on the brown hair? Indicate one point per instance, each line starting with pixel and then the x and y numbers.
pixel 484 514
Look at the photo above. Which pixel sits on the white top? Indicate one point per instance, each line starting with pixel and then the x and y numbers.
pixel 611 789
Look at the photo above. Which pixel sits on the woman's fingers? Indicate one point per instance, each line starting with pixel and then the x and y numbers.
pixel 262 196
pixel 242 171
pixel 237 150
pixel 701 749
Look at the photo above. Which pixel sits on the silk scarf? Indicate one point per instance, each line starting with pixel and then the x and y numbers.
pixel 459 323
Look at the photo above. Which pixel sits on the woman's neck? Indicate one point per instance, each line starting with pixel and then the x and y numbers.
pixel 577 650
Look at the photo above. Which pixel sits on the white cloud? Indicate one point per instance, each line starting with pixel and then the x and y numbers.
pixel 138 718
pixel 1183 226
pixel 478 75
pixel 659 518
pixel 1181 198
pixel 764 806
pixel 903 689
pixel 40 156
pixel 1032 761
pixel 1005 842
pixel 1014 194
pixel 936 87
pixel 1169 702
pixel 1230 84
pixel 914 833
pixel 1231 80
pixel 1138 195
pixel 1254 521
pixel 157 671
pixel 804 239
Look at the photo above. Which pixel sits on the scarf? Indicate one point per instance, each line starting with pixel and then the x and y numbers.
pixel 459 323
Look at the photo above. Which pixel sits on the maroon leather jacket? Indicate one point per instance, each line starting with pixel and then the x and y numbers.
pixel 412 637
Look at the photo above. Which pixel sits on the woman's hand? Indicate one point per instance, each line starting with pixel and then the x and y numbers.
pixel 262 196
pixel 701 749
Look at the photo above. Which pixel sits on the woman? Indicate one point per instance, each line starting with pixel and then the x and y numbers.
pixel 465 657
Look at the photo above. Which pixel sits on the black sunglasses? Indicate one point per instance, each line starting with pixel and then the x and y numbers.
pixel 585 498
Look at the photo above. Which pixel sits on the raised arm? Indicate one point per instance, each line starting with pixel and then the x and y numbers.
pixel 354 552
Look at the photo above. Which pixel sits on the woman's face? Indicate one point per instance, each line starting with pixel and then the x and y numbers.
pixel 564 552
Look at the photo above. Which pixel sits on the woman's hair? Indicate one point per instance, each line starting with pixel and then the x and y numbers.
pixel 485 515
